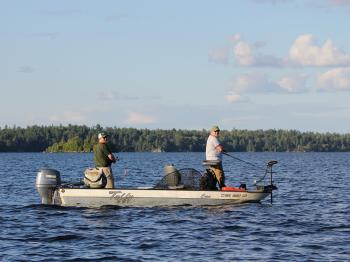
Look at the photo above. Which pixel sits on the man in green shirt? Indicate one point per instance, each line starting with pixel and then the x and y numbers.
pixel 104 158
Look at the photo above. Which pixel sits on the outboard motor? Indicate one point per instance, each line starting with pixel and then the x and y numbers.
pixel 47 180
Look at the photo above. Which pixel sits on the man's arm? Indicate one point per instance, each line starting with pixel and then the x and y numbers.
pixel 112 158
pixel 219 148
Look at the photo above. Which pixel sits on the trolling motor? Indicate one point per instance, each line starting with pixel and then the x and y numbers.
pixel 267 188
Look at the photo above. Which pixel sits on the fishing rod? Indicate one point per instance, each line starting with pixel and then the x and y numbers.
pixel 236 158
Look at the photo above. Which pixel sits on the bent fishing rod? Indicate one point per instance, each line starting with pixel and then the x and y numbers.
pixel 236 158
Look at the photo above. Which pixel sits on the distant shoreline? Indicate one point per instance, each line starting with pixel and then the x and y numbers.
pixel 80 138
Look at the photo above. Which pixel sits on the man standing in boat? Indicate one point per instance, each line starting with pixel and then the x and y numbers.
pixel 213 152
pixel 104 158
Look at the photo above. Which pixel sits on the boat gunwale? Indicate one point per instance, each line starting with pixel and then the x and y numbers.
pixel 163 190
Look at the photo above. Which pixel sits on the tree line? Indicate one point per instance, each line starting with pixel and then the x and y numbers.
pixel 81 138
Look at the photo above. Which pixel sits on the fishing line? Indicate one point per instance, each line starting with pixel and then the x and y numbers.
pixel 246 162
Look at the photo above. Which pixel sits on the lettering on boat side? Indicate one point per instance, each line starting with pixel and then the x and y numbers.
pixel 120 197
pixel 226 195
pixel 205 196
pixel 234 195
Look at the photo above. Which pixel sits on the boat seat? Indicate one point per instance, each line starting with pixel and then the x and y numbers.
pixel 211 162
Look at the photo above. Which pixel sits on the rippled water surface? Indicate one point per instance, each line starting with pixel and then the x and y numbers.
pixel 308 221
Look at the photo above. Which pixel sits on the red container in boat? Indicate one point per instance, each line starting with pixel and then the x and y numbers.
pixel 234 189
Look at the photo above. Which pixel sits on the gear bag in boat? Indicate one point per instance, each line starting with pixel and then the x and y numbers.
pixel 95 178
pixel 208 181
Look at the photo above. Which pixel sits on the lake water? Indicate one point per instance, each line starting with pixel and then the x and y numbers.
pixel 309 219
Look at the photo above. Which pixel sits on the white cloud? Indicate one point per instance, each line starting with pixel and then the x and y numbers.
pixel 232 97
pixel 139 118
pixel 293 84
pixel 337 79
pixel 236 98
pixel 243 53
pixel 246 54
pixel 248 83
pixel 252 83
pixel 306 52
pixel 257 83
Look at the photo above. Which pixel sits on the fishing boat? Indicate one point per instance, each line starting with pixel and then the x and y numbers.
pixel 177 188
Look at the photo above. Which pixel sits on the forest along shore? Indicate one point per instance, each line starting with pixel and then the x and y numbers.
pixel 81 138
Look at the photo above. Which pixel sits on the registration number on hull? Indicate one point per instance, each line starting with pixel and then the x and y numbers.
pixel 227 195
pixel 234 195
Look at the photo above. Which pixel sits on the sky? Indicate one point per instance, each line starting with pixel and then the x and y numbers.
pixel 184 64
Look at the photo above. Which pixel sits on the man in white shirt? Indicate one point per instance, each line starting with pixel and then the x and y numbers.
pixel 213 152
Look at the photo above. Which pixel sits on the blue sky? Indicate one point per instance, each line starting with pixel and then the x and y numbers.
pixel 243 64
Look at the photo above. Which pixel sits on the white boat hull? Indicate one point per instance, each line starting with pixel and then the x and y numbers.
pixel 82 197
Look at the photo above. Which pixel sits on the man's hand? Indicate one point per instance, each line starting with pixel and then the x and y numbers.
pixel 113 158
pixel 219 148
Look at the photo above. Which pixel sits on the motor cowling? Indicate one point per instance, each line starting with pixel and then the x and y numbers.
pixel 47 180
